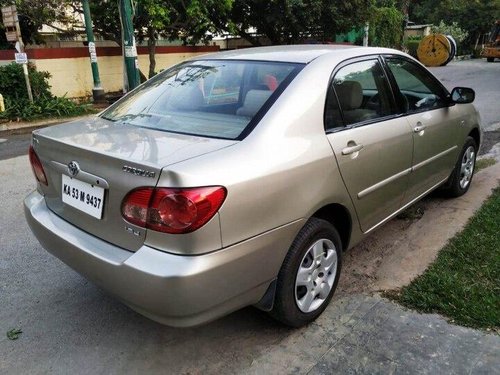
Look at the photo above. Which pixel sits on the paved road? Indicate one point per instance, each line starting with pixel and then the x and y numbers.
pixel 14 145
pixel 483 77
pixel 69 325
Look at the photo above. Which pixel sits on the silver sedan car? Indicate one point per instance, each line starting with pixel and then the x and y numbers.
pixel 240 178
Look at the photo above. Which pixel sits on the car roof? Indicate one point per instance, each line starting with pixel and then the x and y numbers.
pixel 302 54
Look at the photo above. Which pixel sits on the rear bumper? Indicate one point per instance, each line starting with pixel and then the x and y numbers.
pixel 175 290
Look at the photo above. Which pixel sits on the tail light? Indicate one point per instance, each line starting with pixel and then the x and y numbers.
pixel 172 210
pixel 37 167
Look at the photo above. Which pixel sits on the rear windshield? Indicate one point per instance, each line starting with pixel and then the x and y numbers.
pixel 213 98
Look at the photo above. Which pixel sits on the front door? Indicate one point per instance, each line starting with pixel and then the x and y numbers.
pixel 373 147
pixel 432 121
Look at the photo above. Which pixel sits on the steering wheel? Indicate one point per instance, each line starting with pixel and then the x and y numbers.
pixel 374 103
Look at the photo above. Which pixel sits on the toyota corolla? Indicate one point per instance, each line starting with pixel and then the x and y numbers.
pixel 240 178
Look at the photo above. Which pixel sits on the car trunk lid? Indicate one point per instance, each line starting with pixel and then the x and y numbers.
pixel 111 159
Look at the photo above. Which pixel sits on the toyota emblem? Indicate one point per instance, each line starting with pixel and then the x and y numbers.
pixel 73 168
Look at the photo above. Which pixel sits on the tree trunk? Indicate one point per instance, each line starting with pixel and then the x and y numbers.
pixel 152 51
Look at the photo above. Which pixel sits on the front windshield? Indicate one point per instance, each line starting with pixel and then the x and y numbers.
pixel 213 98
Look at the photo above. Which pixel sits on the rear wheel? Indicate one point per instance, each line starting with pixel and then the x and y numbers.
pixel 309 274
pixel 461 178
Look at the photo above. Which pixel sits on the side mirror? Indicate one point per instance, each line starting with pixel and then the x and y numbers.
pixel 462 95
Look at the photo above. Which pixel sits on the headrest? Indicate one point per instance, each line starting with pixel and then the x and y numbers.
pixel 254 100
pixel 350 94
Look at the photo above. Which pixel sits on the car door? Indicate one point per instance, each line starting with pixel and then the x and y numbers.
pixel 425 106
pixel 373 147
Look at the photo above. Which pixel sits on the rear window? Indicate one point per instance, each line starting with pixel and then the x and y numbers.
pixel 213 98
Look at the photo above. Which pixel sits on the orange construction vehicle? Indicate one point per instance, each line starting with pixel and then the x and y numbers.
pixel 492 48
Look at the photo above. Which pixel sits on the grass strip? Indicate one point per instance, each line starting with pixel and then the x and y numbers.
pixel 463 283
pixel 484 163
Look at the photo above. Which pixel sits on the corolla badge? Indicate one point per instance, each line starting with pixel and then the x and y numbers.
pixel 73 168
pixel 138 171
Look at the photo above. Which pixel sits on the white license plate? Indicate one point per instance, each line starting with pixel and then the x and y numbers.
pixel 83 196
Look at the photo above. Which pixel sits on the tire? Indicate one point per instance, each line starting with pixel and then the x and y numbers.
pixel 490 59
pixel 461 178
pixel 321 275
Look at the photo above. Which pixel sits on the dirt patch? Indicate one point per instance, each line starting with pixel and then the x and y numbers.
pixel 364 262
pixel 403 248
pixel 490 139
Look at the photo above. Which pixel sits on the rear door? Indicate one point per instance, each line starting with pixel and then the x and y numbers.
pixel 373 147
pixel 433 123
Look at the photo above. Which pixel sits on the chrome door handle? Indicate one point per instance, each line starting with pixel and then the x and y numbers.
pixel 352 149
pixel 419 128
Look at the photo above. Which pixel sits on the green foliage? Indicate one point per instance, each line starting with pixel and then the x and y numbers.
pixel 42 107
pixel 464 281
pixel 475 17
pixel 411 45
pixel 386 26
pixel 35 13
pixel 484 163
pixel 14 333
pixel 293 21
pixel 13 86
pixel 17 104
pixel 452 29
pixel 191 21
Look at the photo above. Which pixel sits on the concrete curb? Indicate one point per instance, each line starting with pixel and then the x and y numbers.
pixel 13 127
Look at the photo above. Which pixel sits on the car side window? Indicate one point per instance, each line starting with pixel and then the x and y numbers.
pixel 418 90
pixel 359 92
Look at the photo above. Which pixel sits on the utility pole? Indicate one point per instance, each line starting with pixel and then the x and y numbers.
pixel 129 47
pixel 366 30
pixel 97 91
pixel 405 8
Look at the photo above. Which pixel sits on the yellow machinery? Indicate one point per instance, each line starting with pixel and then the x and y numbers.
pixel 492 49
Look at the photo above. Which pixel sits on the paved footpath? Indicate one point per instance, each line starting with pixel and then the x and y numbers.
pixel 370 335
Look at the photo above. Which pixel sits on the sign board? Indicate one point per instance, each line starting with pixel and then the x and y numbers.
pixel 92 52
pixel 11 36
pixel 130 51
pixel 9 16
pixel 21 58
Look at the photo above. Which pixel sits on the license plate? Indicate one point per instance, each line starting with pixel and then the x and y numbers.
pixel 83 196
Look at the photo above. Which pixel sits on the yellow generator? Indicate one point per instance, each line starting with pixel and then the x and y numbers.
pixel 491 49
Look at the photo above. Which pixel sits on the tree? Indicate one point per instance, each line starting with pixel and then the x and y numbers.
pixel 452 29
pixel 191 21
pixel 476 17
pixel 386 24
pixel 292 21
pixel 33 14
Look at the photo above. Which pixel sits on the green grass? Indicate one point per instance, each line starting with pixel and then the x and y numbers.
pixel 463 283
pixel 484 163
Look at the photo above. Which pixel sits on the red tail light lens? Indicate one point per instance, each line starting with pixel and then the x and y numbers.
pixel 172 210
pixel 37 167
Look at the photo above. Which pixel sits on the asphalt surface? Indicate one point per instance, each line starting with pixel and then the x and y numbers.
pixel 14 145
pixel 483 77
pixel 71 326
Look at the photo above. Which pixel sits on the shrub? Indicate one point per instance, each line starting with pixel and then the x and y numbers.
pixel 23 109
pixel 411 45
pixel 386 27
pixel 13 86
pixel 17 104
pixel 452 29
